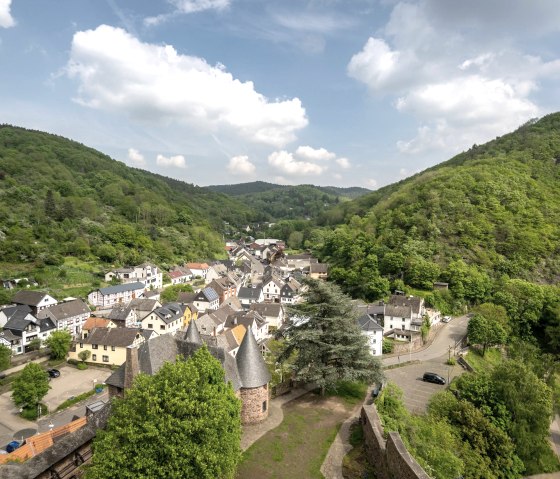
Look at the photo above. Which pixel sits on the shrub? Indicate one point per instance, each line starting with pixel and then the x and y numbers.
pixel 388 346
pixel 82 366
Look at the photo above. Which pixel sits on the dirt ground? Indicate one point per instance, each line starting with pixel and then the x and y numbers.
pixel 298 446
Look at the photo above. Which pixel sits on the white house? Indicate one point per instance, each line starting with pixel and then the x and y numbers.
pixel 272 313
pixel 198 269
pixel 146 273
pixel 206 299
pixel 249 296
pixel 167 319
pixel 180 275
pixel 25 326
pixel 36 300
pixel 69 316
pixel 120 293
pixel 271 289
pixel 374 333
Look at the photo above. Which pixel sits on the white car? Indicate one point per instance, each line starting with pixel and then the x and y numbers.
pixel 446 319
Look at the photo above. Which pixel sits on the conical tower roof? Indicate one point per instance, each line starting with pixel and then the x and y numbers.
pixel 250 363
pixel 192 335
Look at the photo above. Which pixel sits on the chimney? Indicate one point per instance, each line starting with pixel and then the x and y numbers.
pixel 132 366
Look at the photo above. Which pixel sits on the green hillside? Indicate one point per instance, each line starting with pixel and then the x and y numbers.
pixel 495 208
pixel 61 198
pixel 281 202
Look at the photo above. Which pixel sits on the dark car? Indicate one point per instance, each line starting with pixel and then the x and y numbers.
pixel 12 446
pixel 433 378
pixel 53 373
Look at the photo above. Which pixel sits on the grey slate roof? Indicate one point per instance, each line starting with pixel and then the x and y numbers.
pixel 252 368
pixel 119 337
pixel 46 324
pixel 169 312
pixel 414 302
pixel 119 313
pixel 121 288
pixel 267 309
pixel 398 311
pixel 186 297
pixel 17 321
pixel 31 298
pixel 249 293
pixel 8 335
pixel 367 323
pixel 63 311
pixel 192 335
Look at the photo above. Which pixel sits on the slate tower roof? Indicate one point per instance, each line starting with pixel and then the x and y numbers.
pixel 252 369
pixel 192 335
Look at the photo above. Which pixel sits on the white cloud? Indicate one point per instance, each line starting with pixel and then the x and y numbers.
pixel 287 164
pixel 154 83
pixel 464 80
pixel 314 154
pixel 343 163
pixel 136 157
pixel 177 161
pixel 240 165
pixel 371 183
pixel 6 19
pixel 186 7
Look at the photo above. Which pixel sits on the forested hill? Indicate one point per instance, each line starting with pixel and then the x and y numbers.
pixel 281 202
pixel 492 210
pixel 62 198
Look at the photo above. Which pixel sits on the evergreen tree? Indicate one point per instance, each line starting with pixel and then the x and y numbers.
pixel 183 422
pixel 50 205
pixel 325 334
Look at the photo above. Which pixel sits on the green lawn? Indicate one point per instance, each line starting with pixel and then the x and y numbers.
pixel 492 358
pixel 297 448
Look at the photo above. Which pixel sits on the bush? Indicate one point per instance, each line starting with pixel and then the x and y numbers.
pixel 31 413
pixel 451 362
pixel 82 366
pixel 73 362
pixel 388 346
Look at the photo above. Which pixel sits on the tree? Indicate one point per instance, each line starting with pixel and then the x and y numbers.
pixel 484 331
pixel 325 334
pixel 34 345
pixel 84 355
pixel 30 386
pixel 184 421
pixel 171 292
pixel 59 343
pixel 5 356
pixel 50 205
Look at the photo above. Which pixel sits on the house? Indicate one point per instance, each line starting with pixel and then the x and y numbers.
pixel 290 292
pixel 143 306
pixel 224 287
pixel 318 271
pixel 36 300
pixel 198 269
pixel 231 339
pixel 67 316
pixel 120 293
pixel 374 332
pixel 10 340
pixel 146 273
pixel 251 320
pixel 205 299
pixel 180 275
pixel 107 345
pixel 189 313
pixel 298 261
pixel 94 322
pixel 23 324
pixel 165 320
pixel 248 296
pixel 271 288
pixel 123 316
pixel 272 313
pixel 247 372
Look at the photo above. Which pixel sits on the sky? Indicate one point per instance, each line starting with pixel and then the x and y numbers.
pixel 325 92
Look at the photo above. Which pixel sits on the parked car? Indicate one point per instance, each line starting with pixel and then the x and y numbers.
pixel 12 446
pixel 53 373
pixel 377 388
pixel 446 319
pixel 433 378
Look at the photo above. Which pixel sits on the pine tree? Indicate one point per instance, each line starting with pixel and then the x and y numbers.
pixel 325 334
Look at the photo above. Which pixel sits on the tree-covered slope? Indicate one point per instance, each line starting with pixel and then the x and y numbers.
pixel 495 208
pixel 280 202
pixel 62 198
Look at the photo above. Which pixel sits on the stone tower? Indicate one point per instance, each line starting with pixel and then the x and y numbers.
pixel 254 378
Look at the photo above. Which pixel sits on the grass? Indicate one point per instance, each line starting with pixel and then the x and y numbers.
pixel 297 448
pixel 355 464
pixel 351 392
pixel 492 358
pixel 70 402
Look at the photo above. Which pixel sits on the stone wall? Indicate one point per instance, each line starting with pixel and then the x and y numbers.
pixel 254 404
pixel 388 457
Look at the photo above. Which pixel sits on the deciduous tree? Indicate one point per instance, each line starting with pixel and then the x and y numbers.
pixel 30 386
pixel 59 343
pixel 5 355
pixel 485 331
pixel 182 422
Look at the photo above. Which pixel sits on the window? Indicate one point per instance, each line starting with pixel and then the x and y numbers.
pixel 112 348
pixel 150 326
pixel 264 406
pixel 94 346
pixel 105 347
pixel 162 326
pixel 94 357
pixel 105 359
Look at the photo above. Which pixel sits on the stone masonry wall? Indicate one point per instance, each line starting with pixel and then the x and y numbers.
pixel 252 400
pixel 389 458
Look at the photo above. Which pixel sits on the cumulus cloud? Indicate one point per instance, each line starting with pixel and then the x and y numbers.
pixel 489 79
pixel 6 19
pixel 177 161
pixel 154 83
pixel 240 165
pixel 314 154
pixel 288 165
pixel 136 157
pixel 343 163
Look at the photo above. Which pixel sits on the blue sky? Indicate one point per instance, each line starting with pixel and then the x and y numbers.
pixel 328 92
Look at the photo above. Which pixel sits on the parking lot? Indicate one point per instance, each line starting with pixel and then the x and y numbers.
pixel 417 393
pixel 72 382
